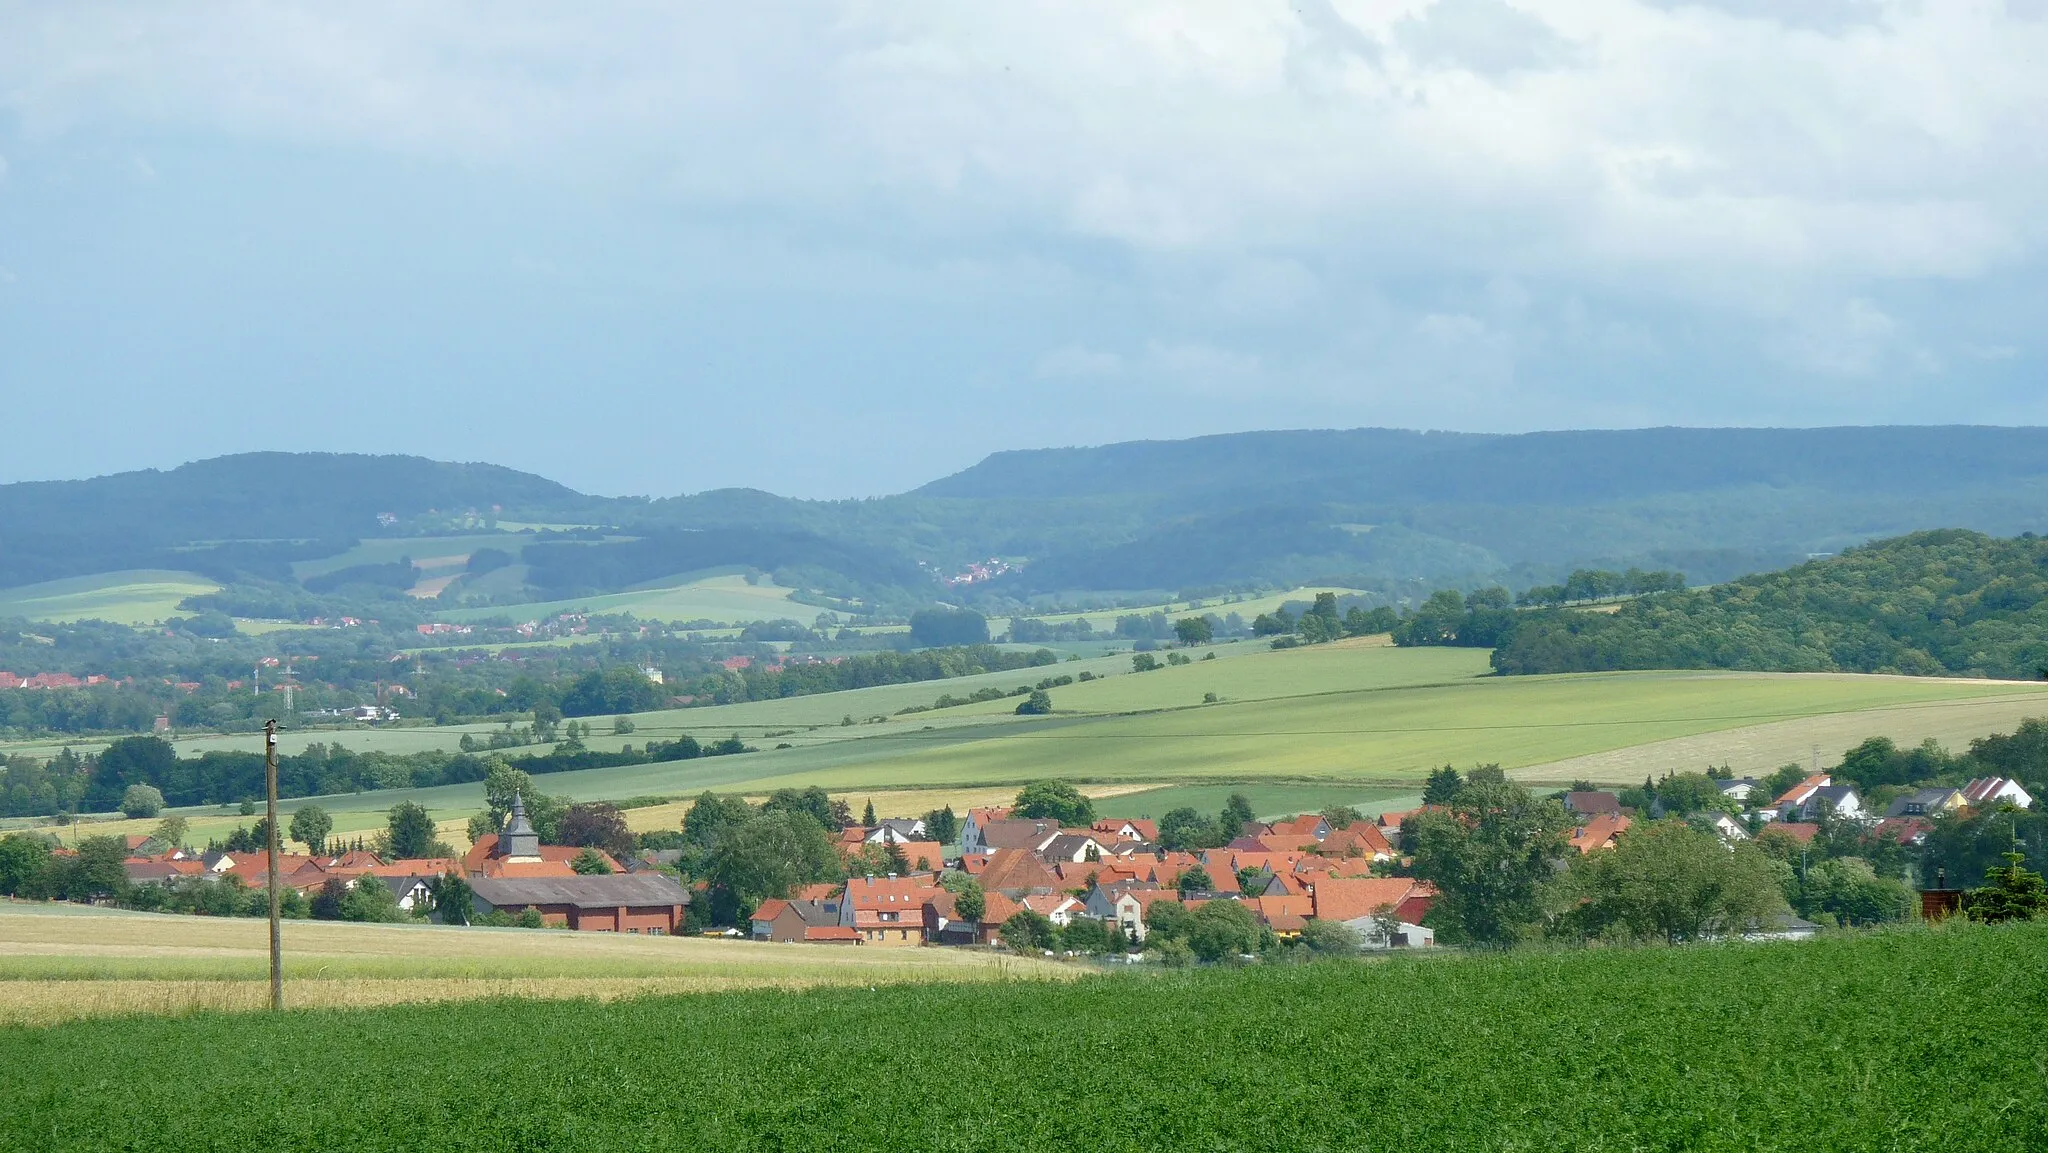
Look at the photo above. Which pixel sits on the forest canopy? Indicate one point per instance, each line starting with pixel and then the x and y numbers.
pixel 1948 602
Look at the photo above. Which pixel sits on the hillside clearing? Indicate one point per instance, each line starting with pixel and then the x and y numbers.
pixel 131 597
pixel 719 596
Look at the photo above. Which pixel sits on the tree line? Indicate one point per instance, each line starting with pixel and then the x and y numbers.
pixel 98 782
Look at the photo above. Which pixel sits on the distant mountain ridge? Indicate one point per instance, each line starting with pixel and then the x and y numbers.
pixel 1387 509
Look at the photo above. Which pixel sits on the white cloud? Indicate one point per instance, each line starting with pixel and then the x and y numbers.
pixel 1474 134
pixel 1442 189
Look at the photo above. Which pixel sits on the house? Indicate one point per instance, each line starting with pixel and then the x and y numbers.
pixel 1599 833
pixel 1908 831
pixel 1285 915
pixel 901 830
pixel 1797 795
pixel 1738 788
pixel 1029 835
pixel 1124 830
pixel 1101 901
pixel 888 910
pixel 1988 791
pixel 1800 831
pixel 1059 908
pixel 1926 803
pixel 1016 872
pixel 411 891
pixel 1359 840
pixel 1839 800
pixel 1592 804
pixel 1071 846
pixel 1357 899
pixel 798 920
pixel 649 903
pixel 1309 825
pixel 159 871
pixel 1132 904
pixel 1726 827
pixel 976 825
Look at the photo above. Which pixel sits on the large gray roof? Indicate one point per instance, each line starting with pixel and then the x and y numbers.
pixel 595 892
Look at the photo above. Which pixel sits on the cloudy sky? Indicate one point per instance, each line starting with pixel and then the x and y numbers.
pixel 834 249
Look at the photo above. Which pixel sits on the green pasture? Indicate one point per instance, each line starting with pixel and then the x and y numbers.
pixel 1268 800
pixel 129 597
pixel 719 597
pixel 435 554
pixel 1104 620
pixel 1391 734
pixel 1908 1040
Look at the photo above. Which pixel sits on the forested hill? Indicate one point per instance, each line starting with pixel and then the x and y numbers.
pixel 1932 603
pixel 1397 466
pixel 1397 513
pixel 53 529
pixel 1366 505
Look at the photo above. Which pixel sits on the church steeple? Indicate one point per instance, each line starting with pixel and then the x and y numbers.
pixel 518 842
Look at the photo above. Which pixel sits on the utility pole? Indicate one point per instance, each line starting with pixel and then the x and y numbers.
pixel 276 930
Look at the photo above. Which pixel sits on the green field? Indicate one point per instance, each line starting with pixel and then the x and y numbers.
pixel 1350 723
pixel 130 597
pixel 432 553
pixel 1397 734
pixel 1914 1039
pixel 718 596
pixel 1104 620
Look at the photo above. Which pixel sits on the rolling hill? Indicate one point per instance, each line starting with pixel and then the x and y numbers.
pixel 1392 512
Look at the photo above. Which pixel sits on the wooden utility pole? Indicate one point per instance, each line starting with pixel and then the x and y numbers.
pixel 276 929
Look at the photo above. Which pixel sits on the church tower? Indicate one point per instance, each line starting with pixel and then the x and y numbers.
pixel 518 843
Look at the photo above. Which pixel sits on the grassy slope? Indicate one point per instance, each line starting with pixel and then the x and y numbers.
pixel 1394 734
pixel 1104 620
pixel 723 597
pixel 131 597
pixel 1902 1041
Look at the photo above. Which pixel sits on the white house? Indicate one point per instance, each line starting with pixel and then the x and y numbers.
pixel 1739 788
pixel 1986 791
pixel 1841 800
pixel 1726 827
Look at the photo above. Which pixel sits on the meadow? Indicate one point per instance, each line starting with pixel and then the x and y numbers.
pixel 1928 1039
pixel 1246 607
pixel 719 595
pixel 59 962
pixel 131 597
pixel 1354 723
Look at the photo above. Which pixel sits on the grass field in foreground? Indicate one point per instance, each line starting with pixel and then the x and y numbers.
pixel 131 597
pixel 59 962
pixel 1910 1040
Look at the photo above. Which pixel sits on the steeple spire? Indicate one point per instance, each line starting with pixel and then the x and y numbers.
pixel 518 842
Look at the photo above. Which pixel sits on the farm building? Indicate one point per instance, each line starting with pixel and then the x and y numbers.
pixel 648 903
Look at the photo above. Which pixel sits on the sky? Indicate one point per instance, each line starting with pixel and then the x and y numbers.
pixel 840 249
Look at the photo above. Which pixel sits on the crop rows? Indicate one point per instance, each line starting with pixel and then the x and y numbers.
pixel 1915 1039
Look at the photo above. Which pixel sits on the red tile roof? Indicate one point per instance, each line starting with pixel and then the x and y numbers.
pixel 1349 898
pixel 1801 831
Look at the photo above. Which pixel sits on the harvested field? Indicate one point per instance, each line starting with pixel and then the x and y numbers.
pixel 62 962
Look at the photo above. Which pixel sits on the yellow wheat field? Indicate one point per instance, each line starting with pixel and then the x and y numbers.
pixel 60 962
